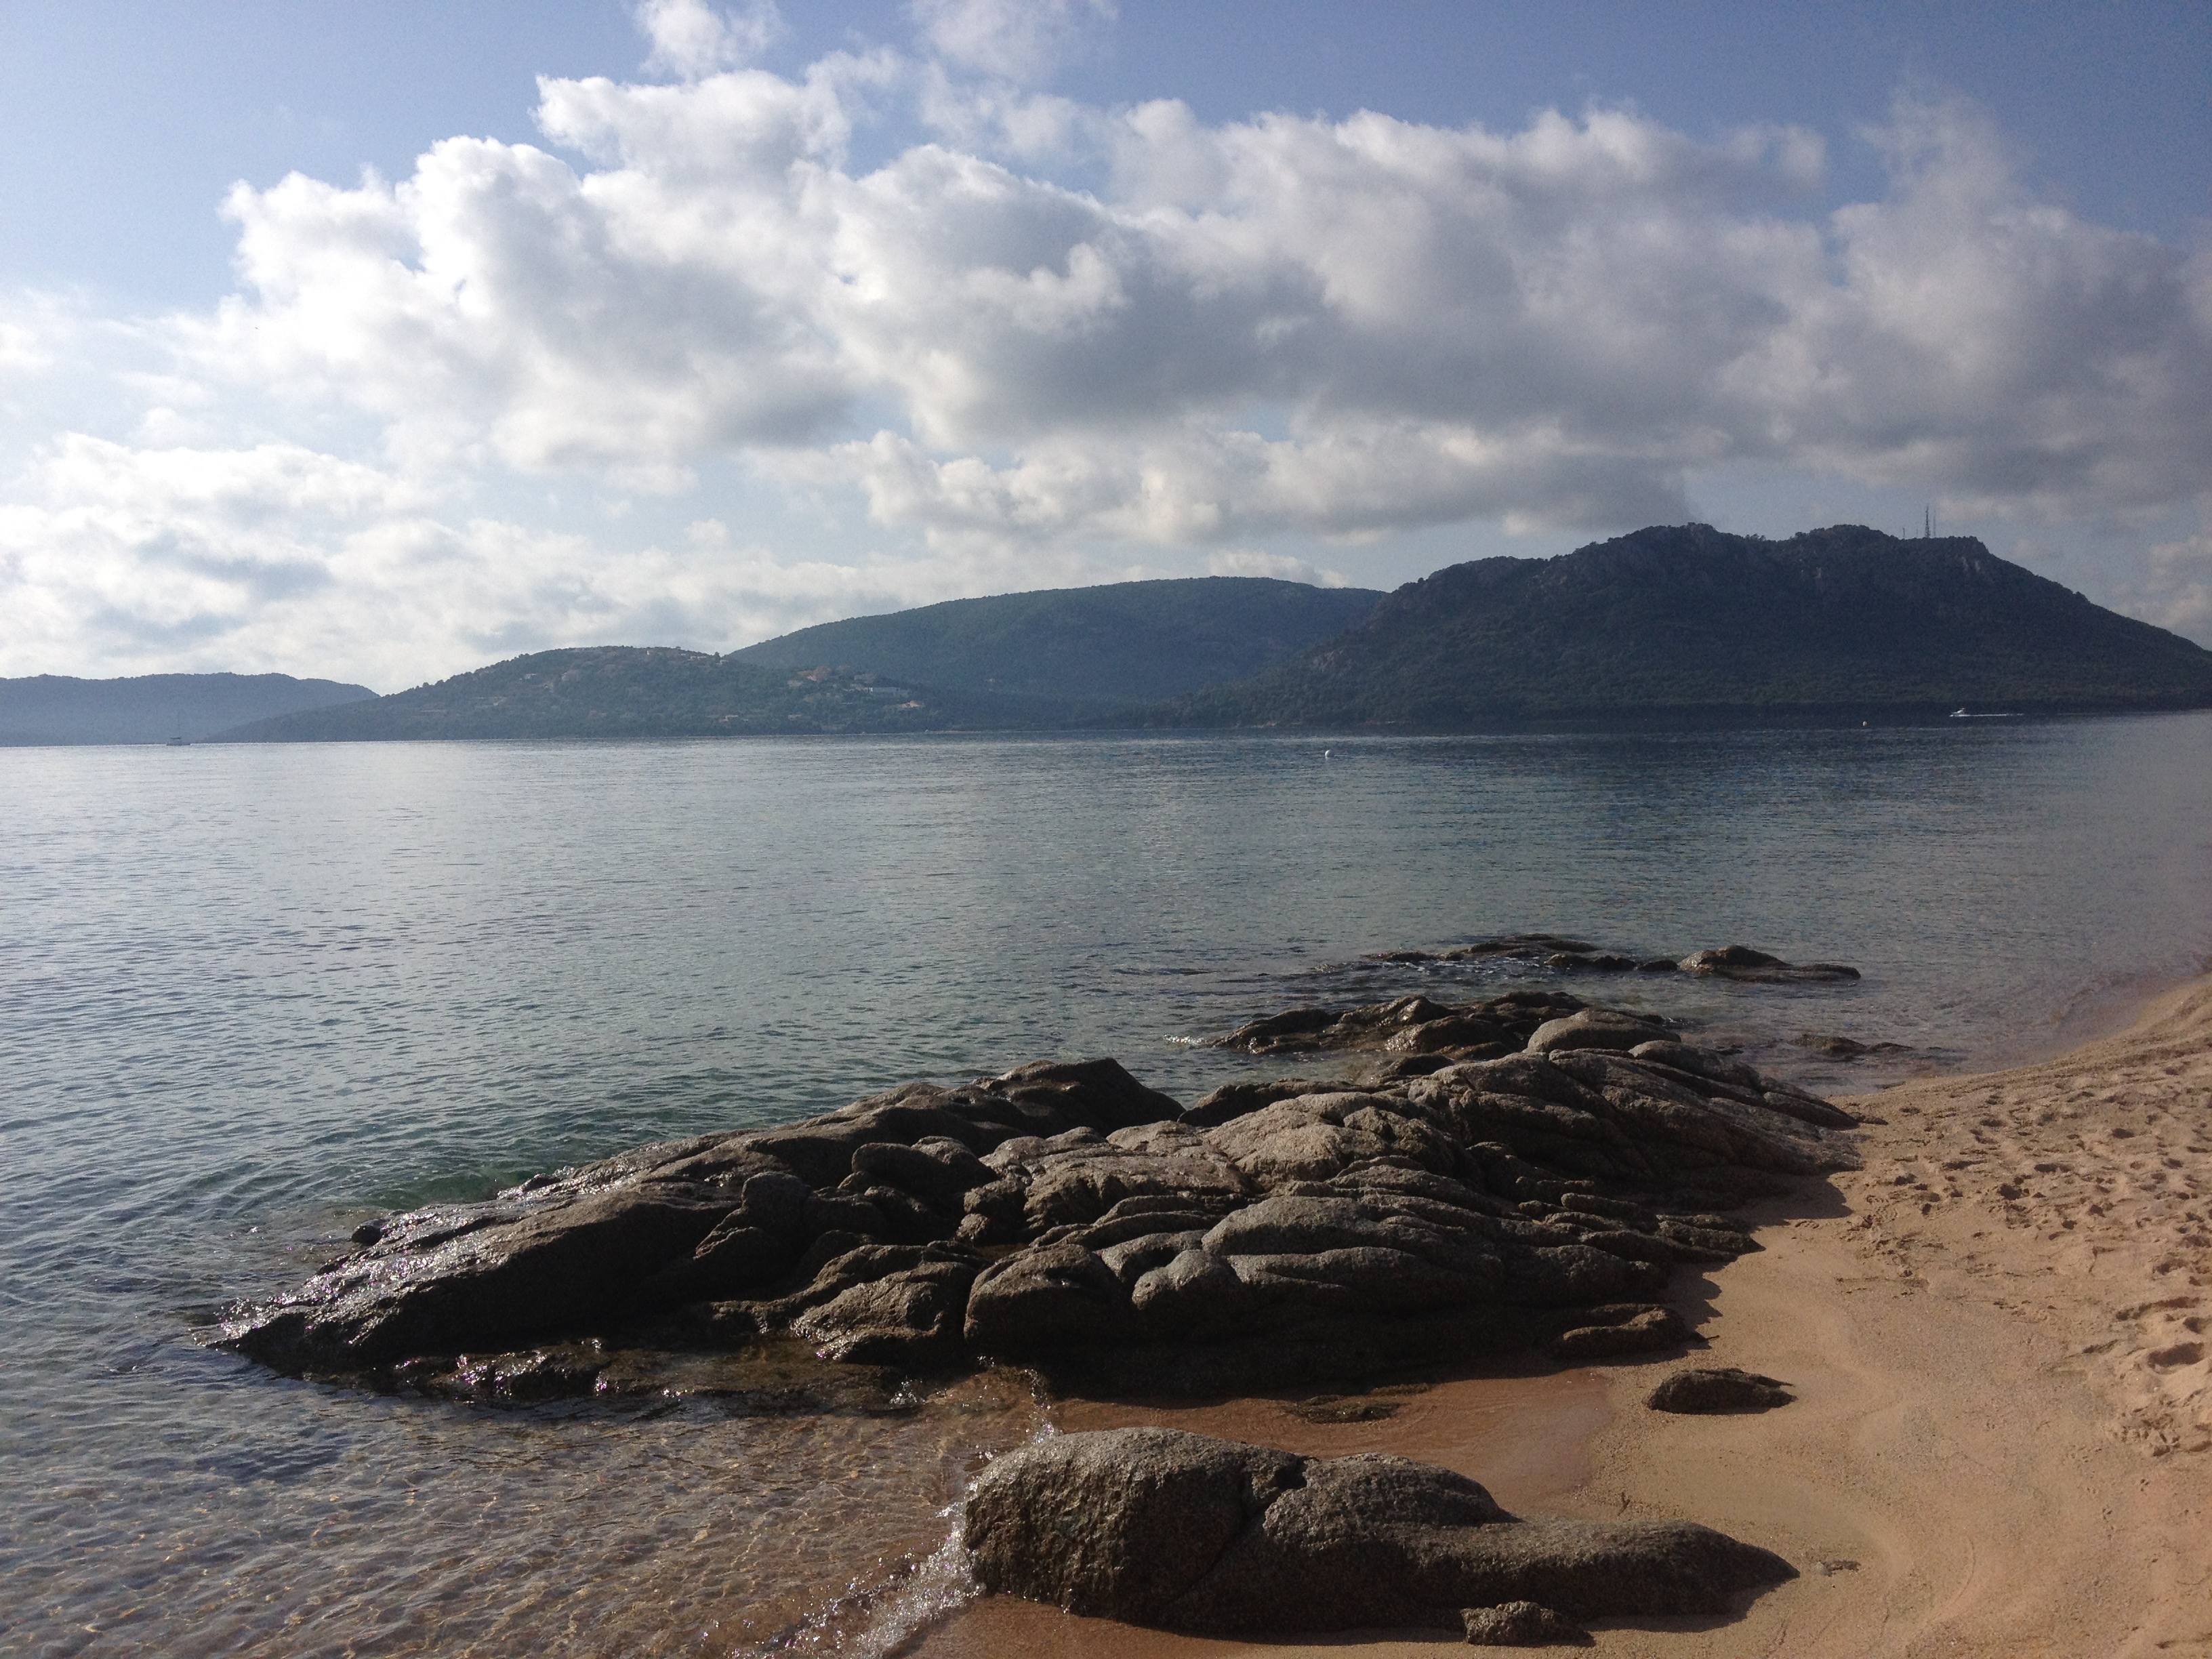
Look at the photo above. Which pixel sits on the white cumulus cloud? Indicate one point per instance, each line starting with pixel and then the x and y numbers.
pixel 691 38
pixel 1283 567
pixel 1024 41
pixel 2179 594
pixel 1276 328
pixel 1346 327
pixel 281 557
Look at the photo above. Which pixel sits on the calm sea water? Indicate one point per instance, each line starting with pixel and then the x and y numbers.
pixel 249 995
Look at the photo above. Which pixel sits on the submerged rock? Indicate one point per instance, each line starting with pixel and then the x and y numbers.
pixel 1563 954
pixel 1066 1217
pixel 1180 1531
pixel 781 1378
pixel 1844 1047
pixel 1742 963
pixel 1544 950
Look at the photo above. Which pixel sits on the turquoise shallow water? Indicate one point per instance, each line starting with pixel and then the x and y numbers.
pixel 248 995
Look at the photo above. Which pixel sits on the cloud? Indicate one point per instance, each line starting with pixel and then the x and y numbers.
pixel 1280 566
pixel 2002 350
pixel 278 557
pixel 1192 488
pixel 691 38
pixel 1283 328
pixel 2179 591
pixel 1555 326
pixel 144 553
pixel 1024 41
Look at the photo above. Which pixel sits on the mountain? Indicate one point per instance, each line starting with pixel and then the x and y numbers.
pixel 53 709
pixel 1686 621
pixel 1083 648
pixel 1670 623
pixel 1069 657
pixel 617 691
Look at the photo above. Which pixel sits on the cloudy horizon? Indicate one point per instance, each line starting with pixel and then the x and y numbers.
pixel 737 343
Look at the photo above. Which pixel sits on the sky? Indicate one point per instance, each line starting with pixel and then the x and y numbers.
pixel 378 342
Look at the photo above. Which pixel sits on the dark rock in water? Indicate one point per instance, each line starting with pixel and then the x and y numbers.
pixel 1340 1408
pixel 575 1255
pixel 1281 1030
pixel 1742 963
pixel 1522 947
pixel 1725 1389
pixel 1177 1531
pixel 483 1276
pixel 1844 1047
pixel 1544 950
pixel 1563 955
pixel 1522 1624
pixel 1065 1217
pixel 752 1379
pixel 1408 1025
pixel 511 1379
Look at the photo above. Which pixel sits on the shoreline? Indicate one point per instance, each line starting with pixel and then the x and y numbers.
pixel 1998 1334
pixel 2095 1014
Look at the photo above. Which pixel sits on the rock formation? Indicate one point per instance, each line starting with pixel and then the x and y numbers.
pixel 1540 950
pixel 1177 1531
pixel 1722 1389
pixel 1738 962
pixel 1410 1025
pixel 1065 1217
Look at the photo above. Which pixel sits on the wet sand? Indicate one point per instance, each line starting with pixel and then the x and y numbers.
pixel 1999 1337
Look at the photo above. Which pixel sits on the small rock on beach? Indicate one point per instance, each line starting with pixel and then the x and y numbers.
pixel 1721 1389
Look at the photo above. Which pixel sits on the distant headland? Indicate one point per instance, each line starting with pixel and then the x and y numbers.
pixel 55 709
pixel 1688 622
pixel 1054 660
pixel 1670 624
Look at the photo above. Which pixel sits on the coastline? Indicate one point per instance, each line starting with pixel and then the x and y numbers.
pixel 1996 1331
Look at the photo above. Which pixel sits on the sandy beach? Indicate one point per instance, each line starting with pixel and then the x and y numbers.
pixel 1997 1332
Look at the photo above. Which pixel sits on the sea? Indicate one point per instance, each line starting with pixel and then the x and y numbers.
pixel 251 996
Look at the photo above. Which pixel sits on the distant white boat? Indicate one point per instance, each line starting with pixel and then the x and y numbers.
pixel 1961 714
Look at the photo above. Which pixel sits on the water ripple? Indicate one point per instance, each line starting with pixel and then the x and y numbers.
pixel 250 996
